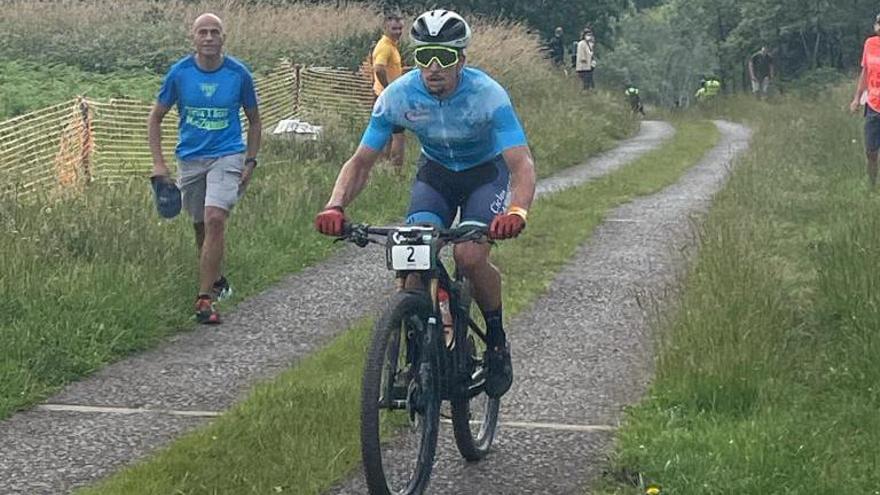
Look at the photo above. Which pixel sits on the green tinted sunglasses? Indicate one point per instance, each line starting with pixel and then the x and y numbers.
pixel 445 57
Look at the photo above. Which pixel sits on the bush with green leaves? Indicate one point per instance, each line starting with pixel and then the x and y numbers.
pixel 815 82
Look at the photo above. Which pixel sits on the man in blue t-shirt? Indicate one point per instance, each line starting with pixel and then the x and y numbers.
pixel 208 88
pixel 475 162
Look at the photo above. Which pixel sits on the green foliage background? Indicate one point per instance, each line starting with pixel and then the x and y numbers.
pixel 664 46
pixel 667 45
pixel 667 48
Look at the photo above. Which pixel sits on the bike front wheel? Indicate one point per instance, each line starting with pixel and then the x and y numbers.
pixel 400 399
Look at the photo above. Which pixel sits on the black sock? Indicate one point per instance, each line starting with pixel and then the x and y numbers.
pixel 494 330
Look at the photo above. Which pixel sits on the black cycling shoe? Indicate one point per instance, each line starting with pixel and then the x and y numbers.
pixel 499 370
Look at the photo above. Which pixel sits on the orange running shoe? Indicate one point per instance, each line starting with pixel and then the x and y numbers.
pixel 205 311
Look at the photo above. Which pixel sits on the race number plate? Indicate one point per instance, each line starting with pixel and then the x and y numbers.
pixel 416 257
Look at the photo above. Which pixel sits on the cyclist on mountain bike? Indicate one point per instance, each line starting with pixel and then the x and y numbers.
pixel 475 161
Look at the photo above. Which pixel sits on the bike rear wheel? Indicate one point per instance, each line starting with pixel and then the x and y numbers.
pixel 474 414
pixel 400 395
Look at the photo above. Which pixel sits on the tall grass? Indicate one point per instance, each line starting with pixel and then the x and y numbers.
pixel 27 86
pixel 97 35
pixel 767 375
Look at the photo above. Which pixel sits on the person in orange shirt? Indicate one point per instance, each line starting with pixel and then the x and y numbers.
pixel 869 82
pixel 388 66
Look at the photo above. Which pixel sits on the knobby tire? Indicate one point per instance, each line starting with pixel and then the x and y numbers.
pixel 403 306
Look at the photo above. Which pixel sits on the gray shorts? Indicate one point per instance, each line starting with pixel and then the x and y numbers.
pixel 210 182
pixel 761 85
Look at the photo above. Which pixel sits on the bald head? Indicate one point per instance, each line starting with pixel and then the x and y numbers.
pixel 208 38
pixel 207 19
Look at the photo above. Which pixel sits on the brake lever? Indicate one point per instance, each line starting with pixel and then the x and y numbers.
pixel 477 236
pixel 354 233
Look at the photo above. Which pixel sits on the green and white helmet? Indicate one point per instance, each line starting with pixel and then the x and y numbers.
pixel 442 28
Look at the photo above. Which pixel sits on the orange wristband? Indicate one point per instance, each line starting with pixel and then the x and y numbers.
pixel 520 212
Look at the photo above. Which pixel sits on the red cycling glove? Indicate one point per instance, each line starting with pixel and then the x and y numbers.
pixel 330 220
pixel 509 224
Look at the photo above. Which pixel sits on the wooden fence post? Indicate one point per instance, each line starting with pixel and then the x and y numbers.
pixel 297 88
pixel 86 140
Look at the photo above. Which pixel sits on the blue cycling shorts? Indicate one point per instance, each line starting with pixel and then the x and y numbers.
pixel 480 193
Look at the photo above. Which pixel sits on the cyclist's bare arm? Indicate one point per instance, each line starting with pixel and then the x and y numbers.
pixel 154 137
pixel 522 175
pixel 353 176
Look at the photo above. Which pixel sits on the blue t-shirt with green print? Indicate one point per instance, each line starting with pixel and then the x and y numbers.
pixel 208 104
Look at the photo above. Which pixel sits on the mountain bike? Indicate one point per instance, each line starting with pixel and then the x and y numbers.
pixel 419 356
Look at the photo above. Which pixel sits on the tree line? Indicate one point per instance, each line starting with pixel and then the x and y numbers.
pixel 804 35
pixel 684 39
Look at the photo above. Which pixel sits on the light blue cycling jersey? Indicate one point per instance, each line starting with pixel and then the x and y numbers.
pixel 471 126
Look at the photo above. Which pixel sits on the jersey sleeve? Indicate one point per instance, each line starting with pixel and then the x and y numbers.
pixel 168 92
pixel 505 125
pixel 379 129
pixel 248 91
pixel 865 55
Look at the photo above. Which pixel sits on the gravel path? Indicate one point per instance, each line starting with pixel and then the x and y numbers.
pixel 583 351
pixel 127 410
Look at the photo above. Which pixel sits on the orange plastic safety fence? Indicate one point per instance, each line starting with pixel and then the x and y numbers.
pixel 85 140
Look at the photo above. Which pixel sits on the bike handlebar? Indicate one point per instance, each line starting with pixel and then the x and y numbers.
pixel 360 233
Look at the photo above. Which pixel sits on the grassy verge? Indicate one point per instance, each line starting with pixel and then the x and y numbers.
pixel 767 376
pixel 27 86
pixel 285 439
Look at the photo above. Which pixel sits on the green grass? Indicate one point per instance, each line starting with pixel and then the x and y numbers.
pixel 99 275
pixel 28 86
pixel 767 376
pixel 554 141
pixel 299 432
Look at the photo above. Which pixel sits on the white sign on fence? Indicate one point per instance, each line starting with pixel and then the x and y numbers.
pixel 297 129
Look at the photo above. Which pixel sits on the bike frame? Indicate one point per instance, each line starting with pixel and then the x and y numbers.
pixel 432 280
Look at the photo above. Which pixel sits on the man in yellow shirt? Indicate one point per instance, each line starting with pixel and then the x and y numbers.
pixel 388 66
